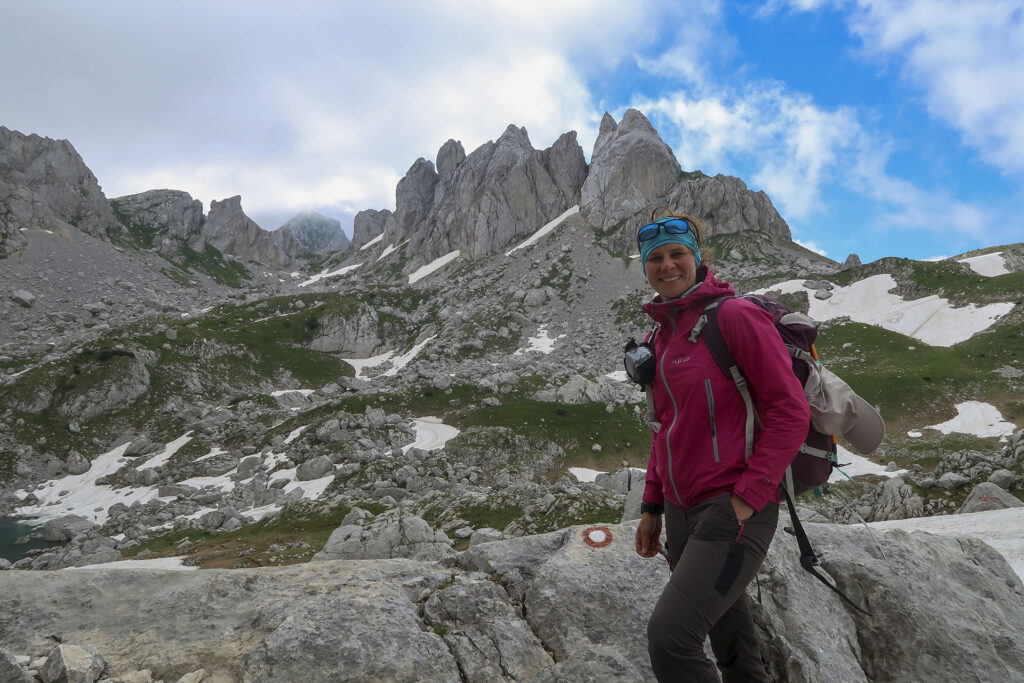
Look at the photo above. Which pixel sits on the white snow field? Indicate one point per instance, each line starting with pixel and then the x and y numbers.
pixel 931 319
pixel 979 419
pixel 545 229
pixel 397 362
pixel 156 563
pixel 324 275
pixel 1001 529
pixel 542 343
pixel 372 242
pixel 989 265
pixel 431 434
pixel 433 266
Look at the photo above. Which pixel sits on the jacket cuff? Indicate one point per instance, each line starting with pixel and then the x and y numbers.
pixel 756 493
pixel 653 508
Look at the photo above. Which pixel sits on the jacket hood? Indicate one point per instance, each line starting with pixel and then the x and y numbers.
pixel 707 288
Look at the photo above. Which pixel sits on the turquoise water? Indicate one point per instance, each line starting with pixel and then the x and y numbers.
pixel 10 529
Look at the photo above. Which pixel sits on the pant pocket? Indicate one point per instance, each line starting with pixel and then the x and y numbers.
pixel 730 568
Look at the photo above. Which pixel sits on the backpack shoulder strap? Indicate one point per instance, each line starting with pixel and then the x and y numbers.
pixel 716 344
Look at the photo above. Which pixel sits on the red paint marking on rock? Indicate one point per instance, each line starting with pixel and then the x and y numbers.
pixel 597 536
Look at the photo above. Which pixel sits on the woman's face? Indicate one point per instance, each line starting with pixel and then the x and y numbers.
pixel 671 270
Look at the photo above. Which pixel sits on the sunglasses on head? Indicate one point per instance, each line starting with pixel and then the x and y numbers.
pixel 673 226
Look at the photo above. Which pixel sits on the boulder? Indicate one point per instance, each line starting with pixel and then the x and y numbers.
pixel 77 463
pixel 73 664
pixel 23 297
pixel 11 671
pixel 988 496
pixel 391 534
pixel 316 468
pixel 65 528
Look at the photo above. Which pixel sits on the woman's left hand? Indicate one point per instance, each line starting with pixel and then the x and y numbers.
pixel 741 508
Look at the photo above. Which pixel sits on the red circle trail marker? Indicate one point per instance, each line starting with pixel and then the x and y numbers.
pixel 597 536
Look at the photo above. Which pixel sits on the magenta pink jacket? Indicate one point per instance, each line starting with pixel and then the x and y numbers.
pixel 699 450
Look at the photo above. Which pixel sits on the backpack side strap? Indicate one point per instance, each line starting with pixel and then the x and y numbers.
pixel 727 364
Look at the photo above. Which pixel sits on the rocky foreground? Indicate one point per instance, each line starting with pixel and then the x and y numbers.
pixel 562 606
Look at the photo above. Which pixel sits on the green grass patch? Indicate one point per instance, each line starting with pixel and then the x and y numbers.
pixel 300 523
pixel 575 428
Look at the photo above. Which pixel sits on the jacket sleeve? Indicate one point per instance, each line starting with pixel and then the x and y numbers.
pixel 778 398
pixel 652 490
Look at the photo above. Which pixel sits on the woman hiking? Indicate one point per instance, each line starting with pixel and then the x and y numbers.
pixel 720 508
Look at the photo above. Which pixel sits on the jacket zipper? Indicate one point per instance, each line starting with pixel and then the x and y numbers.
pixel 711 412
pixel 675 413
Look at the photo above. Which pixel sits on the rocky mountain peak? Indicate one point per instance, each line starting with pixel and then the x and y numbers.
pixel 502 190
pixel 170 213
pixel 414 196
pixel 449 157
pixel 631 168
pixel 316 233
pixel 228 228
pixel 45 184
pixel 367 225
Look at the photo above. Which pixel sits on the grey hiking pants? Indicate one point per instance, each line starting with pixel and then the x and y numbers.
pixel 714 559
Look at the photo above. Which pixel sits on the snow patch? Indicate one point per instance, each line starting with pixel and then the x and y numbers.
pixel 324 275
pixel 931 319
pixel 391 248
pixel 542 343
pixel 372 242
pixel 431 434
pixel 156 563
pixel 977 418
pixel 165 455
pixel 397 362
pixel 855 465
pixel 1001 529
pixel 545 229
pixel 433 266
pixel 989 265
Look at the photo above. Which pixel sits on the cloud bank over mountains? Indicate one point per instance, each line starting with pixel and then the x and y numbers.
pixel 324 107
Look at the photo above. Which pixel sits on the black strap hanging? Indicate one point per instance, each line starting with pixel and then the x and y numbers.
pixel 809 560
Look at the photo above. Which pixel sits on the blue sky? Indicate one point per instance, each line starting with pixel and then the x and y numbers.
pixel 880 128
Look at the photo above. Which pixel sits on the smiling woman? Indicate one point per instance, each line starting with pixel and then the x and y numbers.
pixel 718 492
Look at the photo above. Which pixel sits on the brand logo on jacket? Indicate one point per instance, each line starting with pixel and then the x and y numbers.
pixel 681 359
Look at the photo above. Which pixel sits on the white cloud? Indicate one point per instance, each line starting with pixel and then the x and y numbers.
pixel 793 145
pixel 967 57
pixel 312 102
pixel 811 246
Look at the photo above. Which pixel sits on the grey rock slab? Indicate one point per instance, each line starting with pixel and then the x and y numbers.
pixel 391 534
pixel 11 671
pixel 23 297
pixel 73 664
pixel 988 496
pixel 485 632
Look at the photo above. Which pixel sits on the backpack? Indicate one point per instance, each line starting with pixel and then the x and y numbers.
pixel 835 407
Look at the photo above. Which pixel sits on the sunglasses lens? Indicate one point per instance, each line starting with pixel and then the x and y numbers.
pixel 648 232
pixel 677 226
pixel 673 226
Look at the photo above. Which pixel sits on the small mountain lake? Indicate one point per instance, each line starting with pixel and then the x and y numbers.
pixel 12 528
